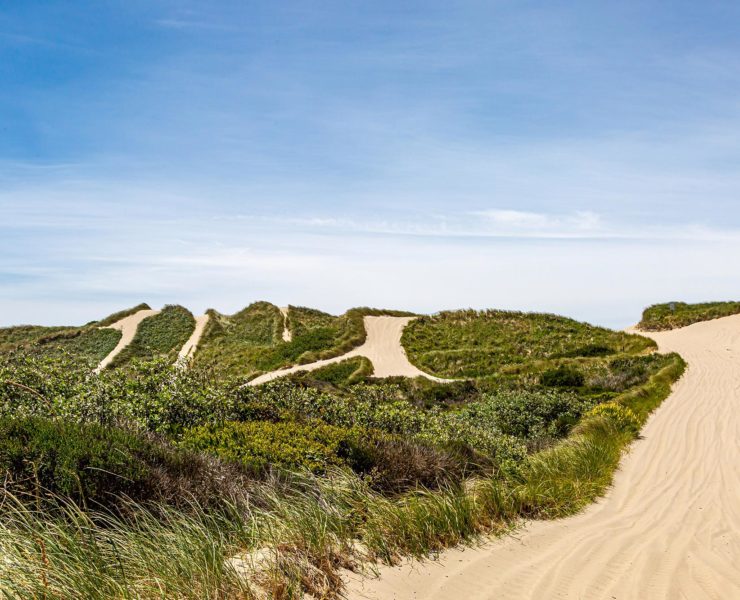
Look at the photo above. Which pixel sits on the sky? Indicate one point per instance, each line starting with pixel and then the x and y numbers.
pixel 577 157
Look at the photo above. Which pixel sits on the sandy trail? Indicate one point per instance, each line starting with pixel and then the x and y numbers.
pixel 669 528
pixel 191 345
pixel 127 326
pixel 287 335
pixel 382 347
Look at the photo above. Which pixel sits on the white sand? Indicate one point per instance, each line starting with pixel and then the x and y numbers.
pixel 127 326
pixel 669 528
pixel 287 335
pixel 382 347
pixel 191 345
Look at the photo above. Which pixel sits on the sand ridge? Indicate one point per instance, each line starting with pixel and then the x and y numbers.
pixel 668 529
pixel 382 347
pixel 127 326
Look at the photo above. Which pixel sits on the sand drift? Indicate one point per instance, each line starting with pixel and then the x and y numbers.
pixel 668 529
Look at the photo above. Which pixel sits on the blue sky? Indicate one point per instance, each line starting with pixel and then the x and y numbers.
pixel 574 157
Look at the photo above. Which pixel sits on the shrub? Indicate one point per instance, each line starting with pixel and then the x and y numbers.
pixel 621 416
pixel 261 444
pixel 562 376
pixel 93 464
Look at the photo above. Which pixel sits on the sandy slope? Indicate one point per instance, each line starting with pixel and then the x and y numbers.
pixel 127 326
pixel 382 346
pixel 287 335
pixel 191 345
pixel 669 528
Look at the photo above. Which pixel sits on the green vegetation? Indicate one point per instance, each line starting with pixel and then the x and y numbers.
pixel 346 372
pixel 250 342
pixel 162 334
pixel 97 465
pixel 147 481
pixel 501 344
pixel 672 315
pixel 300 528
pixel 91 342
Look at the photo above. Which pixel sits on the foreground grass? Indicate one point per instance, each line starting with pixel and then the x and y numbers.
pixel 291 533
pixel 671 315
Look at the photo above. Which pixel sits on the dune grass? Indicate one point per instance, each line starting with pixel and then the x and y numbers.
pixel 671 315
pixel 88 342
pixel 344 373
pixel 250 342
pixel 162 334
pixel 480 344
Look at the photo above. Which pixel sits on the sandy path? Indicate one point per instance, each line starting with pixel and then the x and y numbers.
pixel 127 326
pixel 669 528
pixel 191 345
pixel 287 335
pixel 382 346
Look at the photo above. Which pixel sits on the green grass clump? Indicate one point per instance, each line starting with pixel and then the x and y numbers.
pixel 162 334
pixel 498 343
pixel 12 338
pixel 671 315
pixel 346 372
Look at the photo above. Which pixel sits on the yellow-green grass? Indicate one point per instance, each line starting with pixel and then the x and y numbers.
pixel 671 315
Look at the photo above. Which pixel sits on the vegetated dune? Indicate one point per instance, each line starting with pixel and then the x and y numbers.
pixel 382 347
pixel 127 326
pixel 667 529
pixel 191 345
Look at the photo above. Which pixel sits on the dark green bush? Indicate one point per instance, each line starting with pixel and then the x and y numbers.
pixel 529 414
pixel 97 465
pixel 562 376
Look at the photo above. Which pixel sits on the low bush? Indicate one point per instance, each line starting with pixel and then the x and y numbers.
pixel 562 376
pixel 98 465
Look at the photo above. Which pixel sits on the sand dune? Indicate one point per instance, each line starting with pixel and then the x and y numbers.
pixel 191 345
pixel 382 347
pixel 127 326
pixel 668 529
